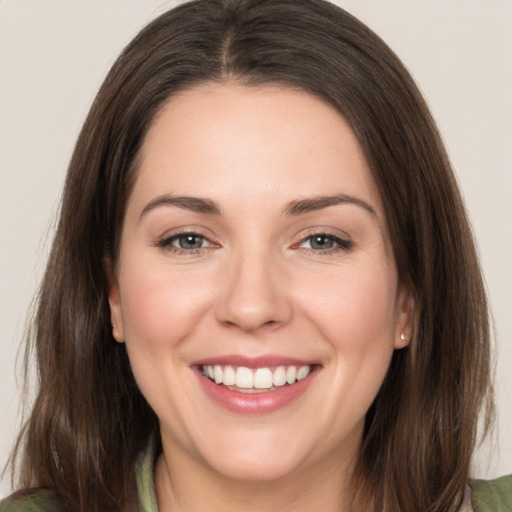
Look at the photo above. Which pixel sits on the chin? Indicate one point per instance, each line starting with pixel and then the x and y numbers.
pixel 252 470
pixel 256 455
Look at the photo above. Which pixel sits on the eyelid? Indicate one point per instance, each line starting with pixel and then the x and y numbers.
pixel 165 242
pixel 174 238
pixel 343 241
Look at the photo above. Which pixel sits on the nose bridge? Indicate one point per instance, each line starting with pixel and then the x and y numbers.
pixel 253 294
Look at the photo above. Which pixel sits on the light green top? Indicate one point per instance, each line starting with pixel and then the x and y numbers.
pixel 488 496
pixel 145 482
pixel 493 495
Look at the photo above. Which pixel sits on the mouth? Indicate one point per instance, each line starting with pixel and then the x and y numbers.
pixel 255 380
pixel 255 386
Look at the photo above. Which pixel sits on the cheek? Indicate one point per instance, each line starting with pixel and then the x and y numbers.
pixel 354 308
pixel 356 315
pixel 160 306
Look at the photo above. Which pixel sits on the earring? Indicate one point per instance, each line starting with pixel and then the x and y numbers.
pixel 402 337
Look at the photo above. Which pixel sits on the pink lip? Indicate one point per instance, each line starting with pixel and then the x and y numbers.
pixel 254 403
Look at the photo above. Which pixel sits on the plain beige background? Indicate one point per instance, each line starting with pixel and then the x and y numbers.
pixel 55 53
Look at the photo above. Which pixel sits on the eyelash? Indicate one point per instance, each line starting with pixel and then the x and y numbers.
pixel 166 243
pixel 339 244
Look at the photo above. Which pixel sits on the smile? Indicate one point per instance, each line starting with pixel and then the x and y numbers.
pixel 259 385
pixel 255 380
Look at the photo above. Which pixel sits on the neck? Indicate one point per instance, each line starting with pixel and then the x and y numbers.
pixel 184 485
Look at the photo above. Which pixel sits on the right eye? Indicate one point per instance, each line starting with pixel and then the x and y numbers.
pixel 185 242
pixel 189 241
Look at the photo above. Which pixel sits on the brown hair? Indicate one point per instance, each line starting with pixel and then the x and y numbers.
pixel 89 420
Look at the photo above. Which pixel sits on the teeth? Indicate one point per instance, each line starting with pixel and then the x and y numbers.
pixel 263 378
pixel 217 374
pixel 279 376
pixel 229 376
pixel 291 373
pixel 303 372
pixel 259 378
pixel 244 378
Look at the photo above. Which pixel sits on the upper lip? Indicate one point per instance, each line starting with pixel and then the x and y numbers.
pixel 263 361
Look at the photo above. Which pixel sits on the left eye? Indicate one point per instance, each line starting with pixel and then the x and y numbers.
pixel 188 241
pixel 323 242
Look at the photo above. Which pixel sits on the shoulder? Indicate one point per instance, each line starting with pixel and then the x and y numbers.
pixel 33 500
pixel 492 495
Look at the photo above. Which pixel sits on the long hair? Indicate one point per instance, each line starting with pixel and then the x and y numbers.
pixel 89 420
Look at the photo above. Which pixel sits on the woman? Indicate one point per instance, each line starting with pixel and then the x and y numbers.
pixel 263 291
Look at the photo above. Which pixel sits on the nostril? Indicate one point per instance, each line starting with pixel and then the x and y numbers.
pixel 252 299
pixel 247 326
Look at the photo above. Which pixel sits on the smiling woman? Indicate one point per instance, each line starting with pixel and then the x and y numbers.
pixel 251 299
pixel 263 292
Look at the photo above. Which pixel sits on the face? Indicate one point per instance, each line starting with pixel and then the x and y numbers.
pixel 256 289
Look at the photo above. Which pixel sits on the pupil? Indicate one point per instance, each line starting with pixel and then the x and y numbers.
pixel 190 242
pixel 322 242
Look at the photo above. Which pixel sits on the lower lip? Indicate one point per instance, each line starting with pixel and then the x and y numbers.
pixel 255 403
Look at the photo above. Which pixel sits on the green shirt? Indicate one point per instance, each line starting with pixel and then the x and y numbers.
pixel 493 495
pixel 488 496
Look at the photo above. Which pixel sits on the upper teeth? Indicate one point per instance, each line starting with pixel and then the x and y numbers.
pixel 257 378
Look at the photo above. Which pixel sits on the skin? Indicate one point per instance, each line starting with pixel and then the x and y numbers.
pixel 256 287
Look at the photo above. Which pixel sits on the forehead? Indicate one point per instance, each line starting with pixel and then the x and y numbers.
pixel 220 139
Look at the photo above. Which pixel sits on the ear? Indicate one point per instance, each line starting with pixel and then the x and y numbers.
pixel 405 317
pixel 114 300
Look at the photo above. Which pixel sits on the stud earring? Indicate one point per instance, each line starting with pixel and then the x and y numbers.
pixel 402 337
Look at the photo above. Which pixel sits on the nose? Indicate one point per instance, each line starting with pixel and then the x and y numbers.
pixel 254 294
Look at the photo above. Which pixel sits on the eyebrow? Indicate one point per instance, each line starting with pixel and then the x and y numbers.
pixel 301 206
pixel 293 208
pixel 195 204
